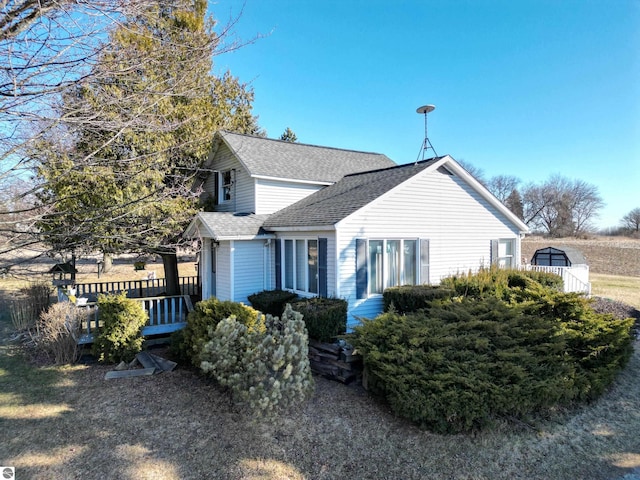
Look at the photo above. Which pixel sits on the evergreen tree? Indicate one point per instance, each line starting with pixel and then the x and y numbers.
pixel 289 136
pixel 124 183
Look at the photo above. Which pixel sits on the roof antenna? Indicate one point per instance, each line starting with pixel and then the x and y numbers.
pixel 426 144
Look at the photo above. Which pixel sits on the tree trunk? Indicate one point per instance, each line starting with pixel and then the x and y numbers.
pixel 107 262
pixel 170 262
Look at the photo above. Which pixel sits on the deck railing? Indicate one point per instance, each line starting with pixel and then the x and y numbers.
pixel 136 288
pixel 166 315
pixel 575 279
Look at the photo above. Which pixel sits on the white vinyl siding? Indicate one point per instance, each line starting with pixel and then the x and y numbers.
pixel 223 274
pixel 249 268
pixel 274 195
pixel 242 189
pixel 456 220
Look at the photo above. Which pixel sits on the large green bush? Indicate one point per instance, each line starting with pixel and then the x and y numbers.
pixel 325 318
pixel 498 282
pixel 120 334
pixel 187 343
pixel 492 350
pixel 266 371
pixel 271 302
pixel 454 367
pixel 409 298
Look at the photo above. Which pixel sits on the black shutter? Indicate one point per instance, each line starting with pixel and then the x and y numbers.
pixel 278 264
pixel 216 188
pixel 322 267
pixel 361 268
pixel 424 261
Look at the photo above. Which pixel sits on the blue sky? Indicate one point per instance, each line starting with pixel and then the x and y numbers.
pixel 524 88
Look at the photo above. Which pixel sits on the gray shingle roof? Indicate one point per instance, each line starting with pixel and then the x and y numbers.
pixel 331 204
pixel 226 225
pixel 279 159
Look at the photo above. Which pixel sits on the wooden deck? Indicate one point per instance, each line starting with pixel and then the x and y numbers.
pixel 166 315
pixel 136 288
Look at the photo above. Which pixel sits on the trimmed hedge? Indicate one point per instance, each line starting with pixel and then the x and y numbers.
pixel 325 318
pixel 187 344
pixel 409 298
pixel 271 302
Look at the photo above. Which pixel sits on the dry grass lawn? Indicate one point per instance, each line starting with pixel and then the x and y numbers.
pixel 69 422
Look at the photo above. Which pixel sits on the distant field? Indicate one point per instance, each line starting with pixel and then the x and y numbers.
pixel 614 264
pixel 606 255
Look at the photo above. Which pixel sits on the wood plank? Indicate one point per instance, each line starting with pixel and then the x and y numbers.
pixel 148 362
pixel 166 365
pixel 139 372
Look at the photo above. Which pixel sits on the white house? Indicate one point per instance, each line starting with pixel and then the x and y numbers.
pixel 330 222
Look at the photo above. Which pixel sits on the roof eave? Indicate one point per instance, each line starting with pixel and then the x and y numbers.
pixel 299 228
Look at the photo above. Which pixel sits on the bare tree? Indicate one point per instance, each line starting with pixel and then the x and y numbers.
pixel 631 221
pixel 501 186
pixel 561 207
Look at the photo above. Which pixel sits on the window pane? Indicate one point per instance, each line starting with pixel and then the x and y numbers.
pixel 393 262
pixel 288 264
pixel 375 266
pixel 301 260
pixel 410 247
pixel 313 266
pixel 505 253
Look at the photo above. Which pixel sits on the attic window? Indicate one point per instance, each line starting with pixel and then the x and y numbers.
pixel 225 186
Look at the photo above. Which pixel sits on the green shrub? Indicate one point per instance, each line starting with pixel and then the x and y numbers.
pixel 455 367
pixel 508 348
pixel 120 335
pixel 266 372
pixel 271 302
pixel 499 282
pixel 409 298
pixel 187 344
pixel 598 345
pixel 325 318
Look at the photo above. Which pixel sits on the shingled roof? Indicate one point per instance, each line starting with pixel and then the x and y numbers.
pixel 229 226
pixel 265 157
pixel 331 204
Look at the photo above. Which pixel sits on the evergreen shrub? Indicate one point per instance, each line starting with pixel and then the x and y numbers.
pixel 265 371
pixel 455 367
pixel 409 298
pixel 271 302
pixel 120 336
pixel 325 318
pixel 508 349
pixel 186 344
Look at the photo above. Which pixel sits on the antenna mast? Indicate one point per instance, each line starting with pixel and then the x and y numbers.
pixel 426 144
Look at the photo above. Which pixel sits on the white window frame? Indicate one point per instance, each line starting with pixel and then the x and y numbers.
pixel 504 259
pixel 295 242
pixel 385 263
pixel 225 189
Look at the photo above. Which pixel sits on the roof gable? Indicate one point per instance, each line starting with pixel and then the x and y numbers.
pixel 265 157
pixel 227 226
pixel 332 204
